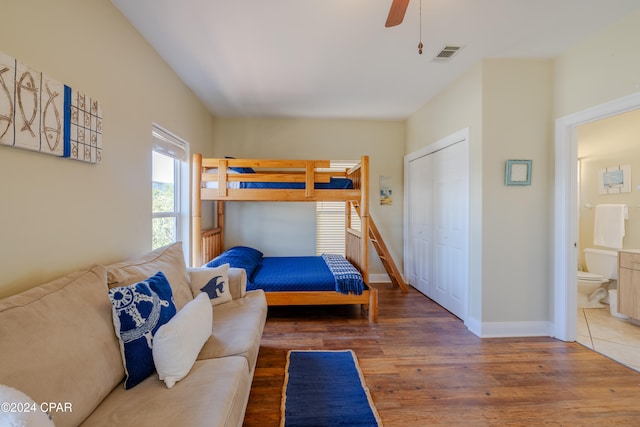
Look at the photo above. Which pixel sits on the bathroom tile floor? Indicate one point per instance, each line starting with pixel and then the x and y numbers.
pixel 615 338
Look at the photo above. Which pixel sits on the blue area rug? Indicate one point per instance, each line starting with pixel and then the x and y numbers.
pixel 326 388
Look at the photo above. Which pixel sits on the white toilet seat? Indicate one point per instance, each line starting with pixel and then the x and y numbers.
pixel 585 276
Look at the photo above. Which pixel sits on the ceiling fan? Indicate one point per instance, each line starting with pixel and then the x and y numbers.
pixel 396 13
pixel 396 16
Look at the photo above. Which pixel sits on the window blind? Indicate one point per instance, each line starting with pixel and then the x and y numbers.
pixel 330 221
pixel 168 144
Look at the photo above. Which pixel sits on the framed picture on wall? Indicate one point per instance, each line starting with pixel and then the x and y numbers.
pixel 386 192
pixel 518 172
pixel 614 180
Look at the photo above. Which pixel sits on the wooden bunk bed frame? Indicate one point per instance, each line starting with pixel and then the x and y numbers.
pixel 207 244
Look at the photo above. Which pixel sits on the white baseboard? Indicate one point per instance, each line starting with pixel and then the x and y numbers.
pixel 379 278
pixel 509 329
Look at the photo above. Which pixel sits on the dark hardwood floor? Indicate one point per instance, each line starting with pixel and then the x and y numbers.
pixel 424 368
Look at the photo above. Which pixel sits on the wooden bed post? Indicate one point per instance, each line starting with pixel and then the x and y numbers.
pixel 196 211
pixel 364 215
pixel 220 224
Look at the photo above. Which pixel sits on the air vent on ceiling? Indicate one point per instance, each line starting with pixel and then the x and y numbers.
pixel 447 53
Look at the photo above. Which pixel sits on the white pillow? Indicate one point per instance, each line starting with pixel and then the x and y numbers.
pixel 213 281
pixel 177 343
pixel 19 410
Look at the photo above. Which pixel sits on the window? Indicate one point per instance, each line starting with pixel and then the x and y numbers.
pixel 169 194
pixel 330 221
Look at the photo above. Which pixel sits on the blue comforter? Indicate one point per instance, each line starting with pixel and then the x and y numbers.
pixel 335 184
pixel 293 274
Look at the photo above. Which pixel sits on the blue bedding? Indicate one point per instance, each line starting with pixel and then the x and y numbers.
pixel 293 274
pixel 303 273
pixel 334 184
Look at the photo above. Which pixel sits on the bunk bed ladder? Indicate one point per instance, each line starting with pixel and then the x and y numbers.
pixel 385 256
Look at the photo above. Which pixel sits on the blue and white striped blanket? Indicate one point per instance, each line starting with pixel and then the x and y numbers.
pixel 348 278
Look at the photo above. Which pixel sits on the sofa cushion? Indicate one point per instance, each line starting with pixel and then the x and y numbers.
pixel 237 328
pixel 168 259
pixel 139 310
pixel 177 343
pixel 212 281
pixel 215 393
pixel 57 343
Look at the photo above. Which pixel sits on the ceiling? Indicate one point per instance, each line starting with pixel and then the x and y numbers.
pixel 336 59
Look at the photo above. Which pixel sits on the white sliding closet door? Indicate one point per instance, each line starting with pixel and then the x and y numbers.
pixel 438 225
pixel 420 223
pixel 450 228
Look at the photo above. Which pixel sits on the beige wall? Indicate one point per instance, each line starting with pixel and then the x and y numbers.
pixel 506 105
pixel 60 215
pixel 605 143
pixel 511 227
pixel 289 230
pixel 456 108
pixel 516 228
pixel 603 68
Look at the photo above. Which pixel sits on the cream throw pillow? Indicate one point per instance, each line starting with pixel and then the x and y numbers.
pixel 19 410
pixel 177 343
pixel 212 281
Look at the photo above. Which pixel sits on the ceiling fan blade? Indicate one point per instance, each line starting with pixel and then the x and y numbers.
pixel 396 13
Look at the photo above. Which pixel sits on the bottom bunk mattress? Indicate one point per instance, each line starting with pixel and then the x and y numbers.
pixel 292 274
pixel 326 272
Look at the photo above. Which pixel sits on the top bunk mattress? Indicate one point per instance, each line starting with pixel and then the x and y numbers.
pixel 333 184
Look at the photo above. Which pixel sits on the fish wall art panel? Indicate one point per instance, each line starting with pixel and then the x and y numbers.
pixel 7 95
pixel 85 128
pixel 27 111
pixel 42 114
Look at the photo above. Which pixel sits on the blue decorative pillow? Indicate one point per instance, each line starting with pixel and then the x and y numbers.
pixel 138 311
pixel 239 257
pixel 239 169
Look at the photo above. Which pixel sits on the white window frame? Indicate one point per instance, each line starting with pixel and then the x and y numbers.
pixel 168 144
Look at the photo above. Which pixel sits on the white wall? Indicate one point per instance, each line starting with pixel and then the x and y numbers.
pixel 287 230
pixel 59 215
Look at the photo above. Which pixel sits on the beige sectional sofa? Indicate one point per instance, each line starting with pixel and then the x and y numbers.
pixel 58 346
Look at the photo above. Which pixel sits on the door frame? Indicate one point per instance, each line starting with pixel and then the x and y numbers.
pixel 454 138
pixel 565 251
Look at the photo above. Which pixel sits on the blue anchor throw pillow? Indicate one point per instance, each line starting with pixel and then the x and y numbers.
pixel 138 312
pixel 213 281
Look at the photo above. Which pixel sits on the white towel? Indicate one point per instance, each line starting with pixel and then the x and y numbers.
pixel 608 228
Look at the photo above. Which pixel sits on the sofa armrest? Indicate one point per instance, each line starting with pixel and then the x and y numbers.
pixel 237 282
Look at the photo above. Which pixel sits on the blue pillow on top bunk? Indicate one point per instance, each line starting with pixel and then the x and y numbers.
pixel 239 257
pixel 239 169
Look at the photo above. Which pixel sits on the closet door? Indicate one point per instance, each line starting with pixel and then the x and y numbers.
pixel 438 225
pixel 420 223
pixel 450 228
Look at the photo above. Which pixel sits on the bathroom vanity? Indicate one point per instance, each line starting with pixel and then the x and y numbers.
pixel 629 283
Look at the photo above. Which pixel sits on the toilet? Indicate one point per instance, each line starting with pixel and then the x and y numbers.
pixel 602 267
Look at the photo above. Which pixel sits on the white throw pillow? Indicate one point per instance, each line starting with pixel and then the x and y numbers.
pixel 19 410
pixel 177 343
pixel 213 281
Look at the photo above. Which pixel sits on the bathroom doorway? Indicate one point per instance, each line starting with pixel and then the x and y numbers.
pixel 566 231
pixel 605 143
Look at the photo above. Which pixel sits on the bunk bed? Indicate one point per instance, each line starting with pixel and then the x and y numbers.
pixel 229 179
